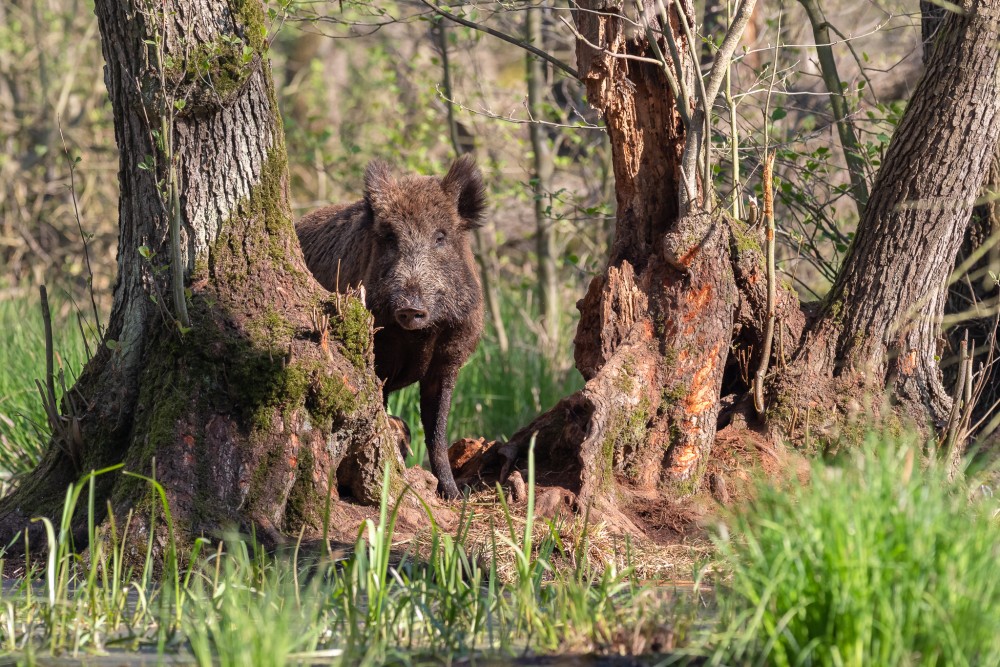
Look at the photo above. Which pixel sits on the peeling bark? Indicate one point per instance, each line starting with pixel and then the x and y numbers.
pixel 655 327
pixel 679 292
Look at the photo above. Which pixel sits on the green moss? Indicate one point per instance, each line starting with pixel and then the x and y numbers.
pixel 676 434
pixel 779 410
pixel 670 355
pixel 329 399
pixel 303 492
pixel 262 384
pixel 272 330
pixel 626 377
pixel 836 309
pixel 745 239
pixel 352 328
pixel 626 434
pixel 251 20
pixel 216 69
pixel 259 232
pixel 672 395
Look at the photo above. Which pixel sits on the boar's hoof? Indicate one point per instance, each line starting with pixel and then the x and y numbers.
pixel 412 318
pixel 448 490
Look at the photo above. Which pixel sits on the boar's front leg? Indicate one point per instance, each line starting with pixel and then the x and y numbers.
pixel 435 402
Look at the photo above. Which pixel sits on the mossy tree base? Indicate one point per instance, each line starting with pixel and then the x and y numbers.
pixel 264 410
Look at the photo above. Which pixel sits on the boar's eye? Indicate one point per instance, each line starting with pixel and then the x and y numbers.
pixel 439 237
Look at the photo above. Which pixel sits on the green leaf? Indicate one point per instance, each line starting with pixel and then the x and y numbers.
pixel 111 344
pixel 778 114
pixel 145 252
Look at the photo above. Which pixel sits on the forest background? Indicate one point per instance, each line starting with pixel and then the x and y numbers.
pixel 363 80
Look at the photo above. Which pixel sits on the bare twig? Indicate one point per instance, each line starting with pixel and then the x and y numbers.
pixel 838 103
pixel 951 443
pixel 83 236
pixel 505 37
pixel 176 267
pixel 50 385
pixel 758 384
pixel 725 53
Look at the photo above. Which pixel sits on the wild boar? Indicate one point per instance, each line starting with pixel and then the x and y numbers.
pixel 407 241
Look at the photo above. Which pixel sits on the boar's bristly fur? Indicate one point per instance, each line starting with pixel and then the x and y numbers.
pixel 408 243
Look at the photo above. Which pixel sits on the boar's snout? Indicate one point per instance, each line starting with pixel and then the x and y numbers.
pixel 413 317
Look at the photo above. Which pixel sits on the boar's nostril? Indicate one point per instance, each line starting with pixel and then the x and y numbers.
pixel 412 318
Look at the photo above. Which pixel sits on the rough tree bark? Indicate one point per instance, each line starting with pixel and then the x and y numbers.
pixel 972 299
pixel 655 326
pixel 880 323
pixel 270 395
pixel 681 290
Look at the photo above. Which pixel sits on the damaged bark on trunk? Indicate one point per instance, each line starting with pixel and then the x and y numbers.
pixel 655 327
pixel 681 291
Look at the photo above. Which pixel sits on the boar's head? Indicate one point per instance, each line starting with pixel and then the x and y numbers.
pixel 422 270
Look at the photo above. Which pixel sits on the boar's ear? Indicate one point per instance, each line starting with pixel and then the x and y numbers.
pixel 464 182
pixel 379 186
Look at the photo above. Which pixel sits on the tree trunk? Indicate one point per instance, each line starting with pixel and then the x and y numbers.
pixel 880 323
pixel 680 291
pixel 247 415
pixel 543 166
pixel 655 327
pixel 973 298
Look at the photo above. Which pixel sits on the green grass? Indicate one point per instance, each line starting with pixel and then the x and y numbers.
pixel 236 606
pixel 24 429
pixel 879 561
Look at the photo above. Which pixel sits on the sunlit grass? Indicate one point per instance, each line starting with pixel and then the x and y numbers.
pixel 238 606
pixel 24 429
pixel 880 560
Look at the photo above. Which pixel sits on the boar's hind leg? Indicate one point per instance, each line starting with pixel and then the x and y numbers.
pixel 435 402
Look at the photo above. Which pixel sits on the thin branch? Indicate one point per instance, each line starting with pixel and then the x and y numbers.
pixel 722 57
pixel 845 126
pixel 685 99
pixel 492 115
pixel 79 226
pixel 765 358
pixel 507 38
pixel 596 47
